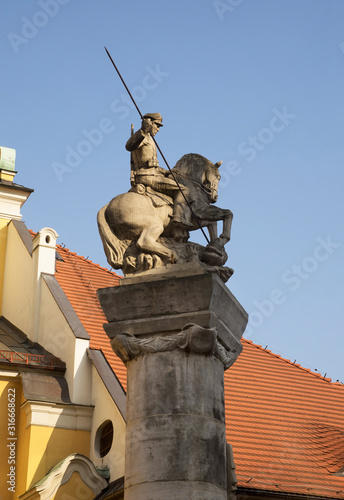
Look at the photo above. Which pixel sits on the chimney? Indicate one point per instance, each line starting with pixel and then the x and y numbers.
pixel 44 251
pixel 44 256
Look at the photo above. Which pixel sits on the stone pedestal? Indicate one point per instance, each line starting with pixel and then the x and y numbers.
pixel 176 337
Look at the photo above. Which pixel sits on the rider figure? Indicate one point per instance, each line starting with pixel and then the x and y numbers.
pixel 147 171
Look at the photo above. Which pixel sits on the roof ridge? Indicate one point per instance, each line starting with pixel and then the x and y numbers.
pixel 297 365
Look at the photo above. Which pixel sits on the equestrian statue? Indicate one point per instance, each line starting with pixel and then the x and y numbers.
pixel 147 228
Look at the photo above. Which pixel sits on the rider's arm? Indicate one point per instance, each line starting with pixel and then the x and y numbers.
pixel 135 141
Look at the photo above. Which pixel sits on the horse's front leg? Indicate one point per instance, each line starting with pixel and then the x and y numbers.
pixel 227 225
pixel 212 229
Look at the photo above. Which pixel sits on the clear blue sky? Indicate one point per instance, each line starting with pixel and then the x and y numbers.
pixel 255 83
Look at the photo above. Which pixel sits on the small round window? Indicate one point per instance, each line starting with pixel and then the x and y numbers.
pixel 104 437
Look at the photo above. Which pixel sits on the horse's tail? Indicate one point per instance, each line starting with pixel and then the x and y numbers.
pixel 114 248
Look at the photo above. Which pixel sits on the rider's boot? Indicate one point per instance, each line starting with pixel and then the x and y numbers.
pixel 181 213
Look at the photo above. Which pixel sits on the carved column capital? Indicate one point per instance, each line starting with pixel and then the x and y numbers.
pixel 192 338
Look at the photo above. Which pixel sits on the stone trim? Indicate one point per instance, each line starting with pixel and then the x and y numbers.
pixel 60 416
pixel 192 338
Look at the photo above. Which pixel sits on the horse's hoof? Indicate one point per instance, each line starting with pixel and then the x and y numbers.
pixel 214 256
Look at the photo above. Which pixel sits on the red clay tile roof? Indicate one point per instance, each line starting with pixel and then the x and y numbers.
pixel 286 424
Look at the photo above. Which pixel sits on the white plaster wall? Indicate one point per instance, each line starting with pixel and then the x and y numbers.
pixel 19 296
pixel 82 373
pixel 56 336
pixel 106 409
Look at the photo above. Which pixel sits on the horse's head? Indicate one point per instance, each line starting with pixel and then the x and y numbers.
pixel 210 180
pixel 199 169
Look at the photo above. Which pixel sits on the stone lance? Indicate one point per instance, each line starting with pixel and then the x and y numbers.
pixel 157 146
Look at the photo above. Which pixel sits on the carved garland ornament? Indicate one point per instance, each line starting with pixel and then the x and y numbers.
pixel 192 338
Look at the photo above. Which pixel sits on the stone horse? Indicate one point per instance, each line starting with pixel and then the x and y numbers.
pixel 134 222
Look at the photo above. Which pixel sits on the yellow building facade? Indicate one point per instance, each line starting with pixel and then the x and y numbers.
pixel 56 393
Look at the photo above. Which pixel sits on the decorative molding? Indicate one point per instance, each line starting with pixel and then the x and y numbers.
pixel 192 338
pixel 8 374
pixel 58 415
pixel 61 473
pixel 11 200
pixel 12 216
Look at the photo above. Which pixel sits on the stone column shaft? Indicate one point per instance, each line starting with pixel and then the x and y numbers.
pixel 176 348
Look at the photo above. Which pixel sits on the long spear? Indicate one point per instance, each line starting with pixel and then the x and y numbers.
pixel 157 145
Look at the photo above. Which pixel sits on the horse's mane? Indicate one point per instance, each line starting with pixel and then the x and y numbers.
pixel 192 165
